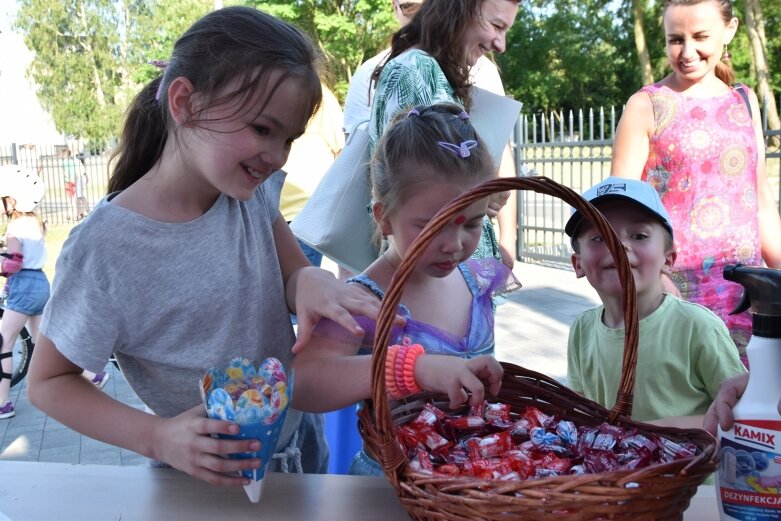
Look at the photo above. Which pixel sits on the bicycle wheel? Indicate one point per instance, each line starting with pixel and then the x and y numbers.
pixel 23 352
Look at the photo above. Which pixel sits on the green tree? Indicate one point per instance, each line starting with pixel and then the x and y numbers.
pixel 566 54
pixel 348 31
pixel 152 28
pixel 75 64
pixel 92 56
pixel 772 10
pixel 638 25
pixel 755 26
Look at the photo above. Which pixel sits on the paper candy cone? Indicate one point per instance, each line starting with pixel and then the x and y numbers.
pixel 255 400
pixel 254 490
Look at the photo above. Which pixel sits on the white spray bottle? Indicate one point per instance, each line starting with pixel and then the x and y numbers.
pixel 749 475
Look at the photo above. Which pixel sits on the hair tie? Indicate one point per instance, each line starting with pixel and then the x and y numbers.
pixel 162 65
pixel 413 112
pixel 463 116
pixel 461 150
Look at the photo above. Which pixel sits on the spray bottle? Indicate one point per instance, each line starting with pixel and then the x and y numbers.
pixel 749 475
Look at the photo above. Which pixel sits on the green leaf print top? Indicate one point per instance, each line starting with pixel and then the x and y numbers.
pixel 410 79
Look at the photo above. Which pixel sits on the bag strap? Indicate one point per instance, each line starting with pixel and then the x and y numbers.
pixel 742 91
pixel 363 126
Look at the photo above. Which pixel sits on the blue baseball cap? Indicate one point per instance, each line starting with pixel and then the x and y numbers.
pixel 621 188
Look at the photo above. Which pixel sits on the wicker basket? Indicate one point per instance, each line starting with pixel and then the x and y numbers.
pixel 658 492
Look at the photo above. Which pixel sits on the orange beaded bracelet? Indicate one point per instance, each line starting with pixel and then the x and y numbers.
pixel 400 369
pixel 410 357
pixel 390 371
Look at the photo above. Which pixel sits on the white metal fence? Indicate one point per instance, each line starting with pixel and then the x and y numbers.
pixel 47 161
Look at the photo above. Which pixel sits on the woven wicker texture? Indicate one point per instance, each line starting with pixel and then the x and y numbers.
pixel 657 492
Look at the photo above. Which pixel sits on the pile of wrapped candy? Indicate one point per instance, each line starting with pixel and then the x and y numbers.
pixel 257 400
pixel 490 443
pixel 242 393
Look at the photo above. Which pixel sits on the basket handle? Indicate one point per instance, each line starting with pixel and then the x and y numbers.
pixel 539 184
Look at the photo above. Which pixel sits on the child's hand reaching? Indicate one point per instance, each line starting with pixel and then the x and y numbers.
pixel 185 442
pixel 319 294
pixel 455 376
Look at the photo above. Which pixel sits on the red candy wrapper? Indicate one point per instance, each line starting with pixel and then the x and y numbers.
pixel 536 417
pixel 521 463
pixel 490 468
pixel 422 462
pixel 468 423
pixel 428 417
pixel 596 461
pixel 490 442
pixel 435 441
pixel 497 411
pixel 489 446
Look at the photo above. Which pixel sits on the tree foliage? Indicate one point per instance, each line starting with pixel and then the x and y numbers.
pixel 153 28
pixel 91 56
pixel 568 54
pixel 75 64
pixel 772 12
pixel 348 31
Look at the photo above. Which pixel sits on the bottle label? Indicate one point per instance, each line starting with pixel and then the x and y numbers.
pixel 750 471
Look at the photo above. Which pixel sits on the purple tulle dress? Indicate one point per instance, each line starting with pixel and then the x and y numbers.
pixel 486 278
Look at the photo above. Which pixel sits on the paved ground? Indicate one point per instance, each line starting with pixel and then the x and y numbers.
pixel 531 331
pixel 33 436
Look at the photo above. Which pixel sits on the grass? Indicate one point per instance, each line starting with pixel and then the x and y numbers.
pixel 55 236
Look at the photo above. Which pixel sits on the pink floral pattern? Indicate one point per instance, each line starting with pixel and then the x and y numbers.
pixel 702 161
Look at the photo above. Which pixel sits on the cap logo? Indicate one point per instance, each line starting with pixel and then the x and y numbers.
pixel 611 189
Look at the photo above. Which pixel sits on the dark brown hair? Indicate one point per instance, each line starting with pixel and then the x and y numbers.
pixel 12 213
pixel 437 28
pixel 233 44
pixel 724 70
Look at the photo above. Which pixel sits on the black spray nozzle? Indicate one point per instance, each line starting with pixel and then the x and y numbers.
pixel 762 288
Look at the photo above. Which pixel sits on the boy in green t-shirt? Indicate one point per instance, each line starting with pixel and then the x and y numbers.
pixel 684 352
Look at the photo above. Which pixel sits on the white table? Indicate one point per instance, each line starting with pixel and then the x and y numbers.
pixel 57 491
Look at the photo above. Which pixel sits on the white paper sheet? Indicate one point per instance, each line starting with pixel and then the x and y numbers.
pixel 494 118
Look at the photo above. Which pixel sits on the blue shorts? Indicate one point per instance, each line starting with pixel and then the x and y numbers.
pixel 28 292
pixel 365 465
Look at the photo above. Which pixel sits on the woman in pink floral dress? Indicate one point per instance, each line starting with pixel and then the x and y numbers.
pixel 697 138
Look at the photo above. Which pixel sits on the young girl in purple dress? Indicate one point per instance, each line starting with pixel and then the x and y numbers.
pixel 425 159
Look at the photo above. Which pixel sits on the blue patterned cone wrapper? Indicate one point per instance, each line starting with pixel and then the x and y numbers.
pixel 255 399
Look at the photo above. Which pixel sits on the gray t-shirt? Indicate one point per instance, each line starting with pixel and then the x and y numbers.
pixel 172 299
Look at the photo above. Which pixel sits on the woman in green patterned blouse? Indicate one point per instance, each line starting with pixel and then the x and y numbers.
pixel 429 63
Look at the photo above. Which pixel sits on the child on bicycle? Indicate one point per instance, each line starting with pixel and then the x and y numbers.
pixel 187 263
pixel 27 288
pixel 425 159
